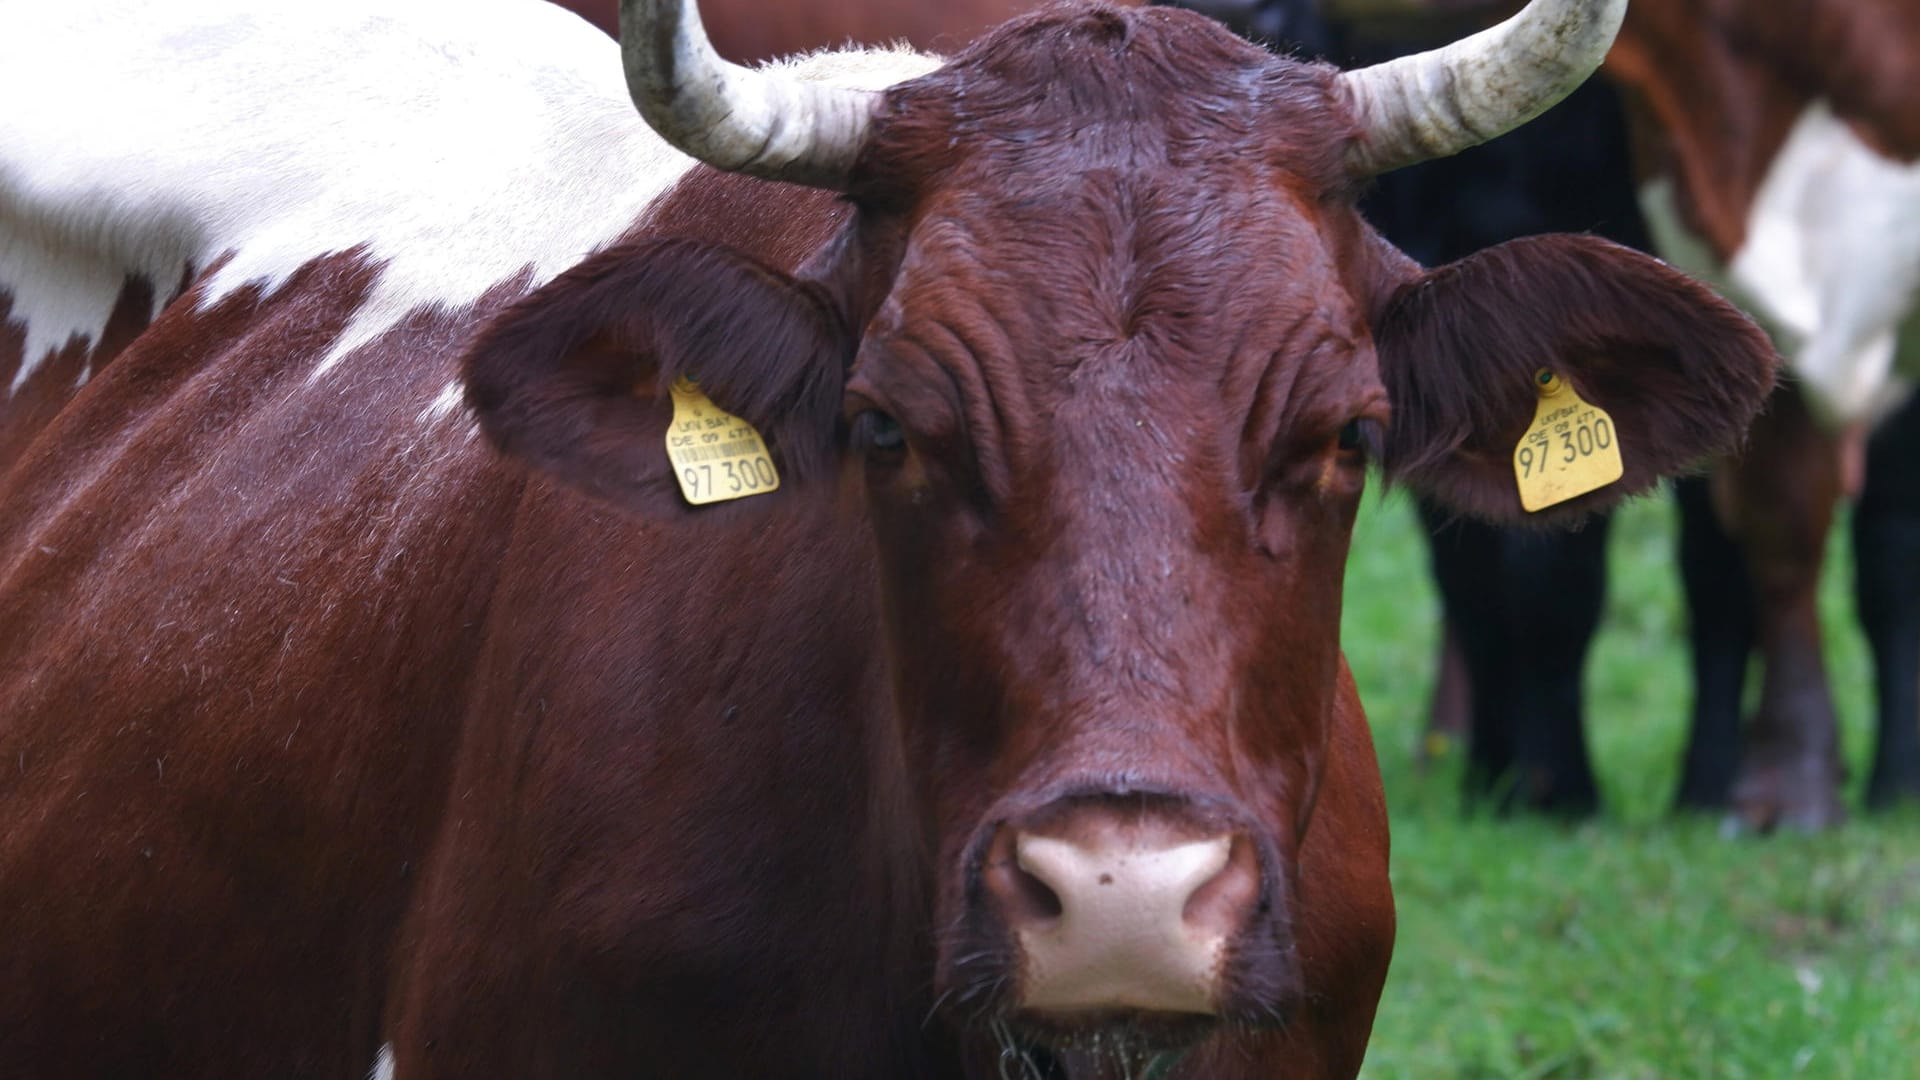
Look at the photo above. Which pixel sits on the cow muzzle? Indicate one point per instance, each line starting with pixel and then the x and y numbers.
pixel 1124 914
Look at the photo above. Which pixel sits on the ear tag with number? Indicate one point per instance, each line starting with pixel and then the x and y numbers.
pixel 716 455
pixel 1570 449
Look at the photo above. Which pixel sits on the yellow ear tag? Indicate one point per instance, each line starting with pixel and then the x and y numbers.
pixel 1571 448
pixel 716 455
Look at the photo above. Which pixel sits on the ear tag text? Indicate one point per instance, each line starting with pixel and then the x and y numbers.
pixel 716 455
pixel 1571 447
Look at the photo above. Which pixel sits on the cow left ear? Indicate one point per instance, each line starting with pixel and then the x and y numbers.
pixel 1680 371
pixel 573 378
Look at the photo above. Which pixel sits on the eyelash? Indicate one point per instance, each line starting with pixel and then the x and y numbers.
pixel 1365 437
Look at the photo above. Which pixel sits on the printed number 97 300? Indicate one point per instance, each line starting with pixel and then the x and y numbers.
pixel 734 477
pixel 1566 444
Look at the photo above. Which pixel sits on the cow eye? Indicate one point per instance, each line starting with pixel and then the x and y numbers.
pixel 880 436
pixel 1361 438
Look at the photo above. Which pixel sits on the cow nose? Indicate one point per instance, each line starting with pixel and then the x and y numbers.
pixel 1117 913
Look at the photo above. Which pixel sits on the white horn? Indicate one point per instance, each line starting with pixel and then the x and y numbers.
pixel 1440 102
pixel 733 118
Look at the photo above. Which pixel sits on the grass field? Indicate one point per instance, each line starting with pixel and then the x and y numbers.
pixel 1636 945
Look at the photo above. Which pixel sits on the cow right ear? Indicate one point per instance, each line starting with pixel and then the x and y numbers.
pixel 1680 371
pixel 573 378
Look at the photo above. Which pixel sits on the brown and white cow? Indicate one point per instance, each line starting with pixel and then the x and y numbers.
pixel 1783 139
pixel 1010 734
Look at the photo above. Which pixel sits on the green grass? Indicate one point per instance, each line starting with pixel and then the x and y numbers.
pixel 1636 945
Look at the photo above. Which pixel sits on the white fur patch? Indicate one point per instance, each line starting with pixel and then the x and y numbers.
pixel 382 1065
pixel 446 405
pixel 1831 263
pixel 458 142
pixel 62 295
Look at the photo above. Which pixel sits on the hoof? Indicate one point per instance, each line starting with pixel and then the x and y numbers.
pixel 1693 799
pixel 1803 796
pixel 1890 791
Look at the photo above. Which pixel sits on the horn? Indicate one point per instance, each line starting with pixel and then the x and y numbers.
pixel 755 122
pixel 1441 102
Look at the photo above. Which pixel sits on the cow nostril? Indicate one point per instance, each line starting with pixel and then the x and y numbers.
pixel 1021 897
pixel 1221 904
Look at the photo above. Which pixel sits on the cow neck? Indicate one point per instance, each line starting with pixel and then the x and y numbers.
pixel 1708 117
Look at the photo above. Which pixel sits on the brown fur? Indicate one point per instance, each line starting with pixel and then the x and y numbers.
pixel 537 783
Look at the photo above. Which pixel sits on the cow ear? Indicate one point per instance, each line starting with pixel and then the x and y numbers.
pixel 573 378
pixel 1681 371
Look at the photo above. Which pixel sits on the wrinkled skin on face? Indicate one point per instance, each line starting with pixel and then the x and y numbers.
pixel 1130 394
pixel 1105 351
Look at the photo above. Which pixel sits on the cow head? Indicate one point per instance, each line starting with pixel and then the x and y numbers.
pixel 1109 351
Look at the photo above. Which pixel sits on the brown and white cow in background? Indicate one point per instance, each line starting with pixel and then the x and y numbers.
pixel 1783 137
pixel 329 732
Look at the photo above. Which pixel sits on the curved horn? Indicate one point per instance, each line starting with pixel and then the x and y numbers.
pixel 731 117
pixel 1441 102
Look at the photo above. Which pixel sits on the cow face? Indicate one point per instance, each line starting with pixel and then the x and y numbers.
pixel 1108 351
pixel 1112 415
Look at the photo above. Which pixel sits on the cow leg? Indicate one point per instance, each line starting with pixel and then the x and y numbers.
pixel 1465 564
pixel 1555 584
pixel 1720 621
pixel 1781 496
pixel 1526 604
pixel 1886 539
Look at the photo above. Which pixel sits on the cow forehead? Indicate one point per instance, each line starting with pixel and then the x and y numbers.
pixel 1066 89
pixel 1189 271
pixel 1092 174
pixel 1189 282
pixel 1134 327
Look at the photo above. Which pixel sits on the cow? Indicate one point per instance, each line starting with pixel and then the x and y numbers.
pixel 1781 144
pixel 374 690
